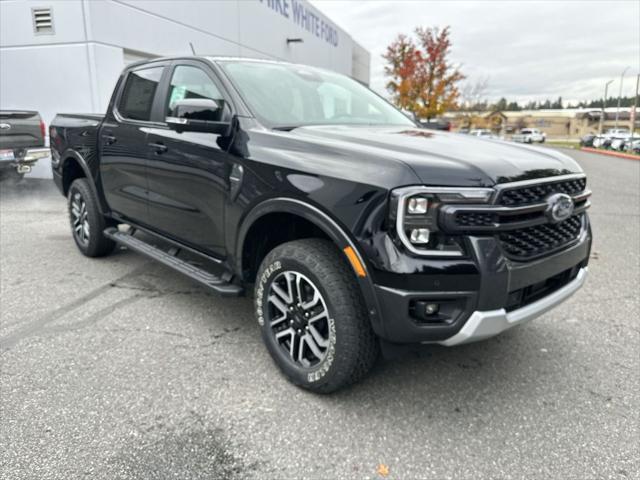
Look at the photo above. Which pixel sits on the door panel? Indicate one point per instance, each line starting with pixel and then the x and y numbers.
pixel 123 169
pixel 123 144
pixel 187 181
pixel 188 172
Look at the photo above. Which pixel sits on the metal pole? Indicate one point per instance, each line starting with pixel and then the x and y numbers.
pixel 604 103
pixel 620 95
pixel 632 117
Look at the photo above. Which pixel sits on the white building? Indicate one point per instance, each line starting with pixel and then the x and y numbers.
pixel 65 55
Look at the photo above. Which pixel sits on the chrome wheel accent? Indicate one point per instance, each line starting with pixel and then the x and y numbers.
pixel 80 218
pixel 298 318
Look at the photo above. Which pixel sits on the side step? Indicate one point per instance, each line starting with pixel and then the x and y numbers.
pixel 214 282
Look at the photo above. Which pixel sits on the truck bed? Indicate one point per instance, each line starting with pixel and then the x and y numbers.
pixel 77 131
pixel 72 120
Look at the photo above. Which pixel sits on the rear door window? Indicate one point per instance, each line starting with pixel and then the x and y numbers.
pixel 139 91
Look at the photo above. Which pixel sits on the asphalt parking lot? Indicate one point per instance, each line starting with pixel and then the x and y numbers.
pixel 119 368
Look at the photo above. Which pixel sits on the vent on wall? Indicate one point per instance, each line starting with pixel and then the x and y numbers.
pixel 42 20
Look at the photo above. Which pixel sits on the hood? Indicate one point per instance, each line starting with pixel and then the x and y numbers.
pixel 442 158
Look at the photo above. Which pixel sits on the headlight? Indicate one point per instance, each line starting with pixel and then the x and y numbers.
pixel 417 205
pixel 414 212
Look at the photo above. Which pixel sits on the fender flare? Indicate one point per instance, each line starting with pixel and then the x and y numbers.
pixel 71 153
pixel 331 228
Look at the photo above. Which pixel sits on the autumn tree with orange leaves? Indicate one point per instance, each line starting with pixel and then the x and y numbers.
pixel 422 79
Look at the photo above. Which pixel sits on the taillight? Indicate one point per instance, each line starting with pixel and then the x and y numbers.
pixel 43 129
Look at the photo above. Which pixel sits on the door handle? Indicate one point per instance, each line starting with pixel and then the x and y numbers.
pixel 109 139
pixel 158 148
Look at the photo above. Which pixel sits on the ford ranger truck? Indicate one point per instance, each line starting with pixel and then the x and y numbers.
pixel 352 226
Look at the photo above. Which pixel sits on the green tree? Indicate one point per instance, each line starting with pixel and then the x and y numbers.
pixel 500 105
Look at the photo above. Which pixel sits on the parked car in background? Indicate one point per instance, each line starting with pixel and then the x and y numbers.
pixel 483 133
pixel 600 141
pixel 617 133
pixel 618 144
pixel 529 135
pixel 612 138
pixel 633 146
pixel 22 134
pixel 630 143
pixel 621 138
pixel 587 140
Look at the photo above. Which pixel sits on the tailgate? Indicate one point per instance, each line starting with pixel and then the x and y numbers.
pixel 20 129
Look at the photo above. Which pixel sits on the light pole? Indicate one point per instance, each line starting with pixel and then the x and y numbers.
pixel 620 95
pixel 632 117
pixel 604 104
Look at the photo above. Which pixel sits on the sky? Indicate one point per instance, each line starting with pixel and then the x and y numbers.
pixel 526 50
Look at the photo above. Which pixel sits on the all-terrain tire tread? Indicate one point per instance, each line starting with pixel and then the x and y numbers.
pixel 359 346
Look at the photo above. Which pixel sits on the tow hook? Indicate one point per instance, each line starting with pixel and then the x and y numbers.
pixel 23 168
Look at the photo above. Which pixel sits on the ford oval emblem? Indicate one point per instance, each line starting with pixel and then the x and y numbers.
pixel 559 207
pixel 5 126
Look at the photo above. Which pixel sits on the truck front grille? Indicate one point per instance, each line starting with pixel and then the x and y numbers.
pixel 519 218
pixel 530 194
pixel 475 219
pixel 531 242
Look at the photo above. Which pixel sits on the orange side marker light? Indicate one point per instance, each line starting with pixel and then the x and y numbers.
pixel 355 262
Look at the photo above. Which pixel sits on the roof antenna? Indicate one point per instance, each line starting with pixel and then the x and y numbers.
pixel 193 50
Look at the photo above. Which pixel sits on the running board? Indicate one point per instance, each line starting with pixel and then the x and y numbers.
pixel 214 282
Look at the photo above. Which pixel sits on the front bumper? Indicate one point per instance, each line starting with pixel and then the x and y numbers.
pixel 482 325
pixel 480 296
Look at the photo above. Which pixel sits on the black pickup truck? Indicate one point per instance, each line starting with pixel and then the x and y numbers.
pixel 354 227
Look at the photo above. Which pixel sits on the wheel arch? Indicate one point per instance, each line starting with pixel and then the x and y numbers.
pixel 74 166
pixel 330 228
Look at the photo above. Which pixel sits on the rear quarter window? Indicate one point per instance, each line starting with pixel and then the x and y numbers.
pixel 138 93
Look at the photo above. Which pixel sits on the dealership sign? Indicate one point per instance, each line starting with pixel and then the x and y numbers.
pixel 304 17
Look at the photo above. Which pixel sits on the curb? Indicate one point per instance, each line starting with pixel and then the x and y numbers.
pixel 628 156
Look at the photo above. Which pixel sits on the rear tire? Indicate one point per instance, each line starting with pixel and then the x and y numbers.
pixel 87 222
pixel 312 316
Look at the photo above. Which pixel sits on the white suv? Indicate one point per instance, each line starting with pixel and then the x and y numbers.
pixel 529 135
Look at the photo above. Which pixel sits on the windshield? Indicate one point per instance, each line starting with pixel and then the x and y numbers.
pixel 289 96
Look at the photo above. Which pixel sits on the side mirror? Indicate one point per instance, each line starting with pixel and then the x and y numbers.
pixel 199 115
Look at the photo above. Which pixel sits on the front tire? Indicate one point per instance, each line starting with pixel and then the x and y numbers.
pixel 87 222
pixel 312 316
